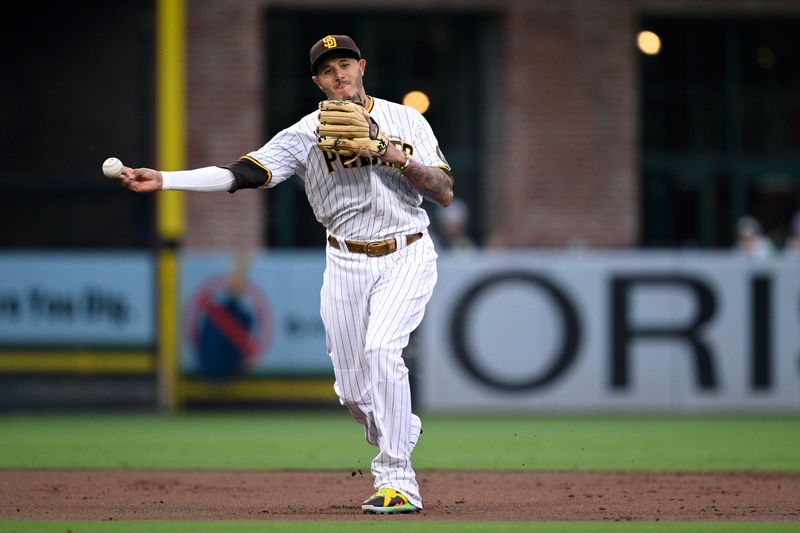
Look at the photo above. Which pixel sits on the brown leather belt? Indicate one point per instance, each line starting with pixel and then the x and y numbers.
pixel 374 248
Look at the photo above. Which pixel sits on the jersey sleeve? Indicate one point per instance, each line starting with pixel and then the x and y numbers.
pixel 273 163
pixel 427 147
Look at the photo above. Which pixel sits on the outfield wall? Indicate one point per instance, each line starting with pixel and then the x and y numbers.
pixel 504 331
pixel 612 332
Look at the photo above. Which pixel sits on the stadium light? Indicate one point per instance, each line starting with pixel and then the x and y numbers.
pixel 648 42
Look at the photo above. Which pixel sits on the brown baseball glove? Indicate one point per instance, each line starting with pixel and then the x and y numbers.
pixel 345 128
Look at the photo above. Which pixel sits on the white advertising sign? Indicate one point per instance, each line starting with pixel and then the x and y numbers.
pixel 617 332
pixel 87 299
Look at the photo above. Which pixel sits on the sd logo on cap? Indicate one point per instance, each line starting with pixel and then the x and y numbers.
pixel 329 44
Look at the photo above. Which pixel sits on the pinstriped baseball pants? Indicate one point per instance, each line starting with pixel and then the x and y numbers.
pixel 370 306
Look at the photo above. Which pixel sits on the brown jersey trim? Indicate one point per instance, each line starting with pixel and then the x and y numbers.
pixel 248 174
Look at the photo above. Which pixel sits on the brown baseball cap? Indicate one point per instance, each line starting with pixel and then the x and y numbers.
pixel 332 43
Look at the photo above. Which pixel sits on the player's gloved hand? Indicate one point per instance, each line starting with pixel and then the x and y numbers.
pixel 345 128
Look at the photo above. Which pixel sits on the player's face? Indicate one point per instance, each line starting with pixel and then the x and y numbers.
pixel 341 78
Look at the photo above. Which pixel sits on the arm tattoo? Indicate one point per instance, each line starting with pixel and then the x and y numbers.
pixel 434 183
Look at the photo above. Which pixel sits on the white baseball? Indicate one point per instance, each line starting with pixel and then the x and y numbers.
pixel 112 167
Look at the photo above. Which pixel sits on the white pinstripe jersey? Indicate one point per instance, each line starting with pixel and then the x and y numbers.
pixel 367 200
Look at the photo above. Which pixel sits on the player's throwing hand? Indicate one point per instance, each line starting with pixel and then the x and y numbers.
pixel 141 179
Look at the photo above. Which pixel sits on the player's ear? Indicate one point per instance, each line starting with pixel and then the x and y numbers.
pixel 315 79
pixel 362 65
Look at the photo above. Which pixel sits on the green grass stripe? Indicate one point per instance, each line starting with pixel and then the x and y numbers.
pixel 333 441
pixel 390 524
pixel 663 443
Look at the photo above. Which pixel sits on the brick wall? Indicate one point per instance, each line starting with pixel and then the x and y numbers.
pixel 568 175
pixel 224 118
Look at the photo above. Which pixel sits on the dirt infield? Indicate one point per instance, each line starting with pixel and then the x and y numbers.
pixel 526 496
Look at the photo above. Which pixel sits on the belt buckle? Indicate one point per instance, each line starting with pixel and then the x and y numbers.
pixel 373 249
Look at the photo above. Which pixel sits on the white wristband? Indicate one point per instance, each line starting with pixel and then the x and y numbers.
pixel 206 179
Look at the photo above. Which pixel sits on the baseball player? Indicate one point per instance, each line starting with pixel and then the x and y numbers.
pixel 366 169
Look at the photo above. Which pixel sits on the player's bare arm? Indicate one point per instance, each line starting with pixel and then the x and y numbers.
pixel 433 183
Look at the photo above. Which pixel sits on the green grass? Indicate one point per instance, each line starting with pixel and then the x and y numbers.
pixel 618 443
pixel 141 526
pixel 303 441
pixel 220 441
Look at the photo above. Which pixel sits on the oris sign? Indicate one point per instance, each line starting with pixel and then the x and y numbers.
pixel 578 332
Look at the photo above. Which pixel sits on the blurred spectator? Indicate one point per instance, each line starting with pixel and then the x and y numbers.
pixel 792 246
pixel 751 240
pixel 453 222
pixel 227 327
